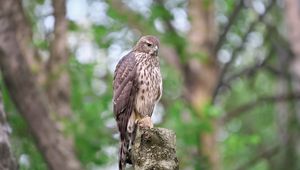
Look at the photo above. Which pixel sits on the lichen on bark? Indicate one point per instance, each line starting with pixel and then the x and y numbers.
pixel 154 149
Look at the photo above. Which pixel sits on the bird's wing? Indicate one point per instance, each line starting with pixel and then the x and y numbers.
pixel 125 90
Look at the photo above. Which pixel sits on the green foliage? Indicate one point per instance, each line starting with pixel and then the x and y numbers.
pixel 23 144
pixel 41 44
pixel 211 111
pixel 113 13
pixel 252 129
pixel 88 122
pixel 92 126
pixel 40 1
pixel 73 26
pixel 99 32
pixel 159 11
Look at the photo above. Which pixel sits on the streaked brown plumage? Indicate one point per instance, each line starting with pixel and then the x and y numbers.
pixel 137 88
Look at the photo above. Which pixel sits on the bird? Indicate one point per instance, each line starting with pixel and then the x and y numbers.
pixel 137 88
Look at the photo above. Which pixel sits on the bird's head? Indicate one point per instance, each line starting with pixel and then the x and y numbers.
pixel 148 44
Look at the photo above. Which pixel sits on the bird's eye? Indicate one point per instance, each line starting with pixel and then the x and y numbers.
pixel 149 45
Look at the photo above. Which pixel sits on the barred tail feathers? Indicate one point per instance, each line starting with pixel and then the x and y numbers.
pixel 123 154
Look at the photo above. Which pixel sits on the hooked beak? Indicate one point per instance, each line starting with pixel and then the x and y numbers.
pixel 156 50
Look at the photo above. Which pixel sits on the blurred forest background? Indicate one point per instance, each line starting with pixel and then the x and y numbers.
pixel 231 79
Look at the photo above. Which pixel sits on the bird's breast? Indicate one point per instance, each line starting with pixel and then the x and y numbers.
pixel 149 87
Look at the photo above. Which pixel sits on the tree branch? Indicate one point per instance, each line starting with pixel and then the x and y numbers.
pixel 276 72
pixel 58 81
pixel 167 21
pixel 24 36
pixel 59 50
pixel 259 101
pixel 238 7
pixel 132 18
pixel 251 69
pixel 265 154
pixel 238 49
pixel 171 53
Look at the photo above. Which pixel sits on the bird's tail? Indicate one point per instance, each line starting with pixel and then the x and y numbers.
pixel 123 153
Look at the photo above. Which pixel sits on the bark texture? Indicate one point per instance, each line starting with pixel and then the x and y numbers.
pixel 154 149
pixel 29 100
pixel 7 160
pixel 58 81
pixel 289 114
pixel 201 77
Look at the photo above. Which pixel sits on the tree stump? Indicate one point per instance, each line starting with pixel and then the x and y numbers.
pixel 154 149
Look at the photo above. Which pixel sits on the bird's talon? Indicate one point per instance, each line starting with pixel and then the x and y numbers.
pixel 145 122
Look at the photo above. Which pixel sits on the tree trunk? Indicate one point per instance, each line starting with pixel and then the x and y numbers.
pixel 201 78
pixel 24 34
pixel 290 133
pixel 58 82
pixel 28 99
pixel 286 118
pixel 7 160
pixel 154 149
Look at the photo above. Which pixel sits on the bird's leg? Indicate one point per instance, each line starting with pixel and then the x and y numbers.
pixel 128 157
pixel 133 134
pixel 145 122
